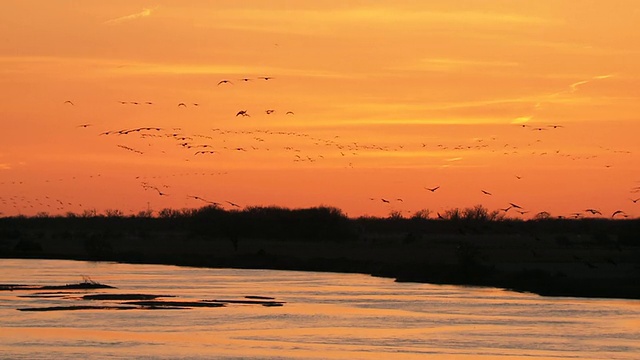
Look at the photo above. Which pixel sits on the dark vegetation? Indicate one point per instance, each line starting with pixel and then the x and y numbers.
pixel 593 257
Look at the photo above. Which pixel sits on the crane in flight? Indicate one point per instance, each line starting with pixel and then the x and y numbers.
pixel 617 212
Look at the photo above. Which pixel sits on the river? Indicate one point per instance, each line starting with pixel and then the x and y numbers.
pixel 324 316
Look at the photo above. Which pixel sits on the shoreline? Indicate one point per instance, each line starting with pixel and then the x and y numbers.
pixel 526 281
pixel 596 258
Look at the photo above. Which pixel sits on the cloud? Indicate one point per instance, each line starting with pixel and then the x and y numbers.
pixel 521 119
pixel 574 86
pixel 448 64
pixel 143 13
pixel 327 20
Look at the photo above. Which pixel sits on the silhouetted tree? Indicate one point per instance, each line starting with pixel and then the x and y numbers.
pixel 421 214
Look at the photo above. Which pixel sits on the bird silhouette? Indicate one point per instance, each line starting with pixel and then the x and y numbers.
pixel 233 204
pixel 515 206
pixel 265 77
pixel 69 102
pixel 201 199
pixel 159 192
pixel 385 201
pixel 635 200
pixel 593 211
pixel 289 113
pixel 433 189
pixel 617 212
pixel 242 113
pixel 224 82
pixel 182 104
pixel 486 192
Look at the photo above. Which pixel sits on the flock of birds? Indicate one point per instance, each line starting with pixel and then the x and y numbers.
pixel 298 147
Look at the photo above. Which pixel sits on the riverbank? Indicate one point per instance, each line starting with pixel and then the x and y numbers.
pixel 588 258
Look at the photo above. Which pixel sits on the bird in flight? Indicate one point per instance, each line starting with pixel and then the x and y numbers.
pixel 182 104
pixel 233 204
pixel 245 79
pixel 269 111
pixel 84 125
pixel 201 199
pixel 635 200
pixel 158 190
pixel 433 189
pixel 617 212
pixel 265 77
pixel 385 201
pixel 224 82
pixel 515 206
pixel 69 102
pixel 593 211
pixel 486 192
pixel 242 113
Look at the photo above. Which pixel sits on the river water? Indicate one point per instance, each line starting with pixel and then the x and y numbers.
pixel 325 316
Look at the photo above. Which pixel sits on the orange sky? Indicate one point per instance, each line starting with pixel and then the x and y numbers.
pixel 389 97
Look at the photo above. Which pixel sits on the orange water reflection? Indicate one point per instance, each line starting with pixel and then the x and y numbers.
pixel 326 316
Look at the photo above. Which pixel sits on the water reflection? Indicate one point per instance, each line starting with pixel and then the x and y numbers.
pixel 326 316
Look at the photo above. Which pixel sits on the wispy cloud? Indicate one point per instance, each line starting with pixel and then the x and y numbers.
pixel 448 64
pixel 141 14
pixel 326 20
pixel 5 166
pixel 574 86
pixel 521 119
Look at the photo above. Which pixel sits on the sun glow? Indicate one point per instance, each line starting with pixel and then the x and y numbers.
pixel 319 103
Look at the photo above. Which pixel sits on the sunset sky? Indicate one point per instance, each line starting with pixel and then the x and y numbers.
pixel 535 102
